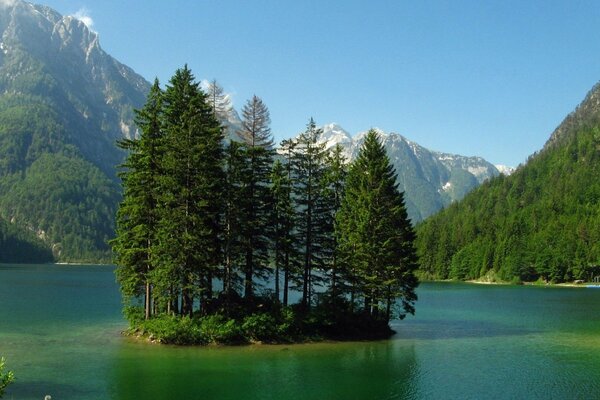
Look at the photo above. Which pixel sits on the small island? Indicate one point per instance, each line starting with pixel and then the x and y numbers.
pixel 221 238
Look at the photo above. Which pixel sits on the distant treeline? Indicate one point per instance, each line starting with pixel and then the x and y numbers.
pixel 198 210
pixel 542 222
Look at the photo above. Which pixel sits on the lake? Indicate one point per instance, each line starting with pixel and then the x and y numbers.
pixel 60 333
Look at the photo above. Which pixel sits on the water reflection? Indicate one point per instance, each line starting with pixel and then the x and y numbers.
pixel 381 370
pixel 59 330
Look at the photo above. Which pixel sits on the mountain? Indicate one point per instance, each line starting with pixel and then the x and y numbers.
pixel 541 222
pixel 63 103
pixel 431 180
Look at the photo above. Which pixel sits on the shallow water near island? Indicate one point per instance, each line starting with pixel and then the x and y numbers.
pixel 60 333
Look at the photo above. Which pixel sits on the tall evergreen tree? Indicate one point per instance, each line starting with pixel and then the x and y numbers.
pixel 285 200
pixel 333 193
pixel 258 143
pixel 234 195
pixel 189 229
pixel 137 215
pixel 375 235
pixel 309 170
pixel 282 227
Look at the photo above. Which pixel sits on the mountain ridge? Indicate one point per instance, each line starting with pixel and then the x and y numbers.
pixel 540 223
pixel 63 104
pixel 430 179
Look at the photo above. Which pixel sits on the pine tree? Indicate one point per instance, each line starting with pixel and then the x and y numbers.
pixel 309 170
pixel 137 214
pixel 375 235
pixel 189 230
pixel 258 143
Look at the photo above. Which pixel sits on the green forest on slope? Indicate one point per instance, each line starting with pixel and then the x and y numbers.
pixel 58 187
pixel 48 192
pixel 542 222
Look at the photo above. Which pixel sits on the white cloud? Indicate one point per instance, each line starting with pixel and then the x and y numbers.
pixel 7 3
pixel 83 15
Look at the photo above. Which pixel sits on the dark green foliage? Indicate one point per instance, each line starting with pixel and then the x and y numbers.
pixel 282 228
pixel 137 218
pixel 233 196
pixel 542 222
pixel 308 169
pixel 333 187
pixel 20 245
pixel 189 241
pixel 194 213
pixel 66 205
pixel 375 236
pixel 255 202
pixel 280 325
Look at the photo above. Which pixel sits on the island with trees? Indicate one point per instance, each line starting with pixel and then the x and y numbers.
pixel 225 240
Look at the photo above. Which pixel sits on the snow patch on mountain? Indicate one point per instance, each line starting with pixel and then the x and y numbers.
pixel 504 169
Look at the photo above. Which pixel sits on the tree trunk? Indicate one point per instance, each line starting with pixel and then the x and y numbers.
pixel 286 279
pixel 248 290
pixel 148 301
pixel 276 274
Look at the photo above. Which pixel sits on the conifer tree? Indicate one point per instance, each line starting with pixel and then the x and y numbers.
pixel 219 102
pixel 290 255
pixel 258 143
pixel 189 229
pixel 282 227
pixel 375 235
pixel 234 195
pixel 333 192
pixel 309 170
pixel 137 215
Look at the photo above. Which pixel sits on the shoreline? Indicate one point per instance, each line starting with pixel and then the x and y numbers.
pixel 583 285
pixel 535 283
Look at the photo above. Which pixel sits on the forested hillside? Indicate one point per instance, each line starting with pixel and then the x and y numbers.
pixel 542 222
pixel 63 104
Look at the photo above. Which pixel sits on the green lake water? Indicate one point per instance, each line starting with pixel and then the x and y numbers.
pixel 60 333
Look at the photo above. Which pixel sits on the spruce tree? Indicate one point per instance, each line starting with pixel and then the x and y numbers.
pixel 290 249
pixel 333 193
pixel 137 214
pixel 282 228
pixel 191 198
pixel 309 169
pixel 257 145
pixel 374 234
pixel 234 195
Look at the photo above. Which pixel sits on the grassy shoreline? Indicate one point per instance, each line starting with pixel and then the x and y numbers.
pixel 286 325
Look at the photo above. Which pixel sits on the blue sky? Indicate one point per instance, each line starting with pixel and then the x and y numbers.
pixel 487 78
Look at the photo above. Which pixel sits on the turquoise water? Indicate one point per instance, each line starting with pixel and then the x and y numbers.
pixel 60 332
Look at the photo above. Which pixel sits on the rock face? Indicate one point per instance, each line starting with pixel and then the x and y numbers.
pixel 430 180
pixel 60 60
pixel 63 104
pixel 587 114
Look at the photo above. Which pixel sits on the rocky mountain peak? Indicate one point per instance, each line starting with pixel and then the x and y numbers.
pixel 430 180
pixel 586 114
